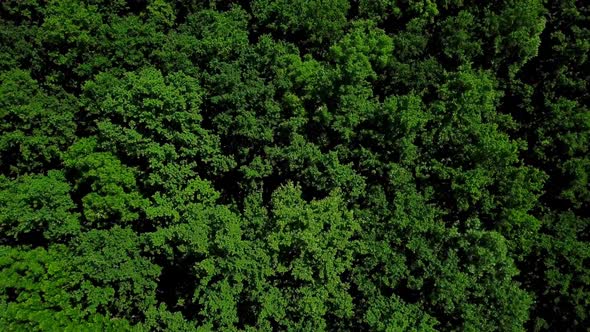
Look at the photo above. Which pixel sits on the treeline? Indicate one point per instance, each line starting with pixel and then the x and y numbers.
pixel 386 165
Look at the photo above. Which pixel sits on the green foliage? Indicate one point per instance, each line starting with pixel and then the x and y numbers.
pixel 111 274
pixel 34 294
pixel 107 188
pixel 309 165
pixel 319 22
pixel 310 250
pixel 155 121
pixel 34 127
pixel 37 204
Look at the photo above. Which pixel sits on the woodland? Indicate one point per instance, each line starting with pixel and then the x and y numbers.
pixel 294 165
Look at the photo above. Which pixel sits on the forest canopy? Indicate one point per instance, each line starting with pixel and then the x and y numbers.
pixel 303 165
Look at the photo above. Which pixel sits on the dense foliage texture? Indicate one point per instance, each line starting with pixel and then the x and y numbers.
pixel 297 165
